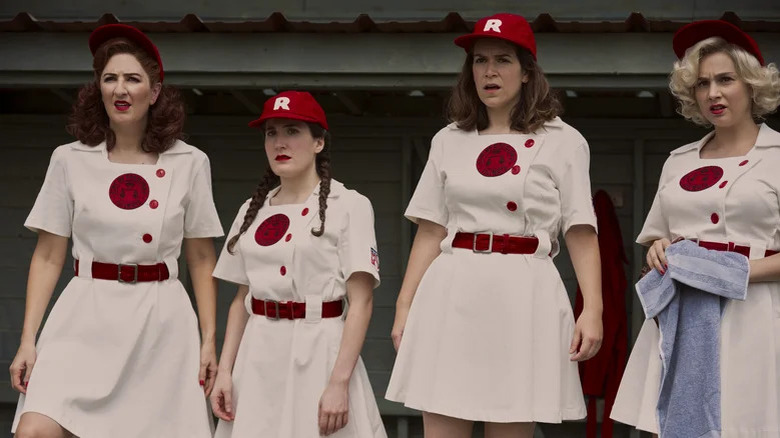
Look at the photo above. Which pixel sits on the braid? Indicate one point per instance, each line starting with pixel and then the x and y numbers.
pixel 323 170
pixel 258 199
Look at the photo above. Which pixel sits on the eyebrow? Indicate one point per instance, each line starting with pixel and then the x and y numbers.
pixel 126 74
pixel 719 75
pixel 289 125
pixel 497 56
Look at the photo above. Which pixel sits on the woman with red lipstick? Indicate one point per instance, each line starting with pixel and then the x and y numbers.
pixel 484 326
pixel 119 355
pixel 300 248
pixel 723 192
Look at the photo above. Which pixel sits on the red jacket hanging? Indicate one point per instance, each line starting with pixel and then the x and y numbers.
pixel 601 374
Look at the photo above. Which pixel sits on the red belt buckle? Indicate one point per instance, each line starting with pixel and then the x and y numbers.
pixel 135 273
pixel 276 309
pixel 490 243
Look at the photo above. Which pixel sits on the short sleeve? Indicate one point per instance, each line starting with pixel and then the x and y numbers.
pixel 231 267
pixel 200 217
pixel 53 208
pixel 428 199
pixel 357 250
pixel 575 191
pixel 656 225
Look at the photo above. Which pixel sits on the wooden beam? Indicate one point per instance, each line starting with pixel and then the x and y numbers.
pixel 349 100
pixel 248 104
pixel 66 97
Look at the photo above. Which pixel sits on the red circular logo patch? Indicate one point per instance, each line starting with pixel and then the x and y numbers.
pixel 701 178
pixel 272 230
pixel 129 191
pixel 496 159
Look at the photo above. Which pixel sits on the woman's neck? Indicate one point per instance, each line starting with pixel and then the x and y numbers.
pixel 128 138
pixel 499 121
pixel 127 146
pixel 296 190
pixel 733 141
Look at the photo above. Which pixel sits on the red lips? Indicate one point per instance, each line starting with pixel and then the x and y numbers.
pixel 717 109
pixel 122 105
pixel 282 158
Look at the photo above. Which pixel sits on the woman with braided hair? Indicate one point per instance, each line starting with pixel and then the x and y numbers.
pixel 297 248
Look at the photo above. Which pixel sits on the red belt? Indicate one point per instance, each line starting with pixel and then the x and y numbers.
pixel 127 272
pixel 503 243
pixel 292 310
pixel 731 247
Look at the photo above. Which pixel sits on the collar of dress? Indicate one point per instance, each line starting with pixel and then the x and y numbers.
pixel 178 148
pixel 767 137
pixel 336 189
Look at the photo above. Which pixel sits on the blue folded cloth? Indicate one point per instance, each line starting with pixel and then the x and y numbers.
pixel 688 301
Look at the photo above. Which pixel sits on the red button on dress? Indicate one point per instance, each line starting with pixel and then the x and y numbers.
pixel 287 239
pixel 723 184
pixel 147 238
pixel 511 206
pixel 160 173
pixel 283 270
pixel 529 143
pixel 743 163
pixel 715 218
pixel 154 204
pixel 515 170
pixel 305 212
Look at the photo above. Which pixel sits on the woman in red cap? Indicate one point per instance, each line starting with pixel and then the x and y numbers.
pixel 484 326
pixel 301 245
pixel 722 191
pixel 119 355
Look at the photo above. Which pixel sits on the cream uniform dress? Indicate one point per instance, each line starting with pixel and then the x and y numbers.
pixel 723 200
pixel 283 366
pixel 488 335
pixel 117 359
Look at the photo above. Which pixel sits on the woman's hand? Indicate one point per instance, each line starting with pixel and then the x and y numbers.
pixel 588 334
pixel 656 255
pixel 399 324
pixel 208 366
pixel 222 397
pixel 334 408
pixel 22 366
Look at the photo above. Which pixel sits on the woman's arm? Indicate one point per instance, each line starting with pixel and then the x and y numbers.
pixel 45 268
pixel 222 397
pixel 425 249
pixel 201 259
pixel 236 323
pixel 334 404
pixel 582 242
pixel 765 269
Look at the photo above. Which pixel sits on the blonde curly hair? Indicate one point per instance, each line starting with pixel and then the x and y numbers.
pixel 763 81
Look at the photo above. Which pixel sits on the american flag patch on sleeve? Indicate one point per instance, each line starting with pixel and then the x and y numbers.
pixel 375 258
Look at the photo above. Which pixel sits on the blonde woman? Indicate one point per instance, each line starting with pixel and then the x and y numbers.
pixel 722 191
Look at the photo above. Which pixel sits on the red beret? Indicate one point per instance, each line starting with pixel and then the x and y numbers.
pixel 509 27
pixel 297 105
pixel 690 34
pixel 108 31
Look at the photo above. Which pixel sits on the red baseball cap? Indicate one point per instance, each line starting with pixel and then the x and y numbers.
pixel 297 105
pixel 509 27
pixel 692 33
pixel 108 31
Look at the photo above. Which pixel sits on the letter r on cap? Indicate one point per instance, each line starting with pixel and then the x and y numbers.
pixel 283 103
pixel 493 25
